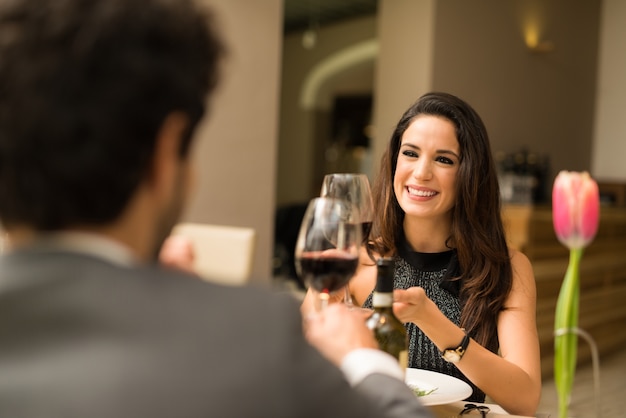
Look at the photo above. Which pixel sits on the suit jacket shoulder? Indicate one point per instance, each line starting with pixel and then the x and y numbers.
pixel 83 337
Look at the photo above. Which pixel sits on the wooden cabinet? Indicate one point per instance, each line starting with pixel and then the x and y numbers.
pixel 602 276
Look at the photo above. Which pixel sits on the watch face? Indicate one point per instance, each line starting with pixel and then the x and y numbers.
pixel 451 356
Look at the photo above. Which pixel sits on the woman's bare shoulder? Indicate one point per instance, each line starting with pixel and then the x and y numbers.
pixel 520 262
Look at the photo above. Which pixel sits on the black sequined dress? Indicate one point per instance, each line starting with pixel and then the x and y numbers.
pixel 431 271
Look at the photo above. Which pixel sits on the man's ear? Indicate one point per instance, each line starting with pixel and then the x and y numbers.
pixel 166 157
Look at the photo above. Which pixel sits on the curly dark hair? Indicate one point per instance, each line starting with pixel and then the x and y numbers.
pixel 84 88
pixel 477 232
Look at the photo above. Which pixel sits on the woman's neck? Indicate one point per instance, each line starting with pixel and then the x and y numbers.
pixel 427 236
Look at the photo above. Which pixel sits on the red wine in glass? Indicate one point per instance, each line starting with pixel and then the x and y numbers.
pixel 327 273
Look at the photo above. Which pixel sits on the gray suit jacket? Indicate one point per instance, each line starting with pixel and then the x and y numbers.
pixel 81 337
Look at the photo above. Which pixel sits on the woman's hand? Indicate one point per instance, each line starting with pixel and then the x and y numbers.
pixel 409 304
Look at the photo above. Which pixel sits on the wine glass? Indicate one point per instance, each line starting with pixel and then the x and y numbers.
pixel 354 188
pixel 327 249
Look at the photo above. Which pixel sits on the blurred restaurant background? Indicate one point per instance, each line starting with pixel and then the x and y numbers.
pixel 316 86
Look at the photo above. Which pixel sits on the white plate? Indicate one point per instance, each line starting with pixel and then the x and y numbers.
pixel 449 389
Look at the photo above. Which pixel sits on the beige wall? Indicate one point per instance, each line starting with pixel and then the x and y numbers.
pixel 236 152
pixel 609 151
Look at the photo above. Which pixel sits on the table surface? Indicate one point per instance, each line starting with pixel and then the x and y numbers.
pixel 452 410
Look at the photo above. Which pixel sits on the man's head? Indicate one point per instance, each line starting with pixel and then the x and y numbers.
pixel 86 88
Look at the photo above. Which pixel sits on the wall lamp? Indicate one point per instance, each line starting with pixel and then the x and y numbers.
pixel 534 43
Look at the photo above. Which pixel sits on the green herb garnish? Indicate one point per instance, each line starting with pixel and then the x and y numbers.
pixel 423 392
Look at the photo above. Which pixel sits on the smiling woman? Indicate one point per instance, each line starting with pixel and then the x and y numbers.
pixel 458 288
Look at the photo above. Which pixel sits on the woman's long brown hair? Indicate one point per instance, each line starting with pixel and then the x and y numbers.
pixel 477 233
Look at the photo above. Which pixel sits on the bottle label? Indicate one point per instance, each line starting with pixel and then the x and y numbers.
pixel 382 299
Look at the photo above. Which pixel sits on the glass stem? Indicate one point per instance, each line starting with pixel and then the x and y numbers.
pixel 324 297
pixel 347 300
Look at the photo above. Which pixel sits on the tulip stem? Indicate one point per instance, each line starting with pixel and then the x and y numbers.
pixel 595 359
pixel 565 345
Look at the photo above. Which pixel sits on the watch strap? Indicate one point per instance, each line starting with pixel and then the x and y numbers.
pixel 460 349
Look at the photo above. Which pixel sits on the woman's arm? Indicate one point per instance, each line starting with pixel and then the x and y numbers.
pixel 364 280
pixel 513 380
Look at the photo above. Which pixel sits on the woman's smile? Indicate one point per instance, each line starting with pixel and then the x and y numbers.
pixel 421 191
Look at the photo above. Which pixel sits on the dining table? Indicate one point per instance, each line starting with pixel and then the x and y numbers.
pixel 454 409
pixel 446 396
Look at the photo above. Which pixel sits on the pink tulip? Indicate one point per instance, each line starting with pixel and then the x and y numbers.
pixel 575 208
pixel 575 213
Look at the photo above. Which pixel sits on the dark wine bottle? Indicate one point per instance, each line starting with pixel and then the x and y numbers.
pixel 388 330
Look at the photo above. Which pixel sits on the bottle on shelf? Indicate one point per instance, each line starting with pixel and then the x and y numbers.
pixel 388 330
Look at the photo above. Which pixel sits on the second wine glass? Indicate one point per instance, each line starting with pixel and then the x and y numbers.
pixel 354 189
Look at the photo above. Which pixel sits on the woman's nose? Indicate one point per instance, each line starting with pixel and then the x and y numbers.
pixel 422 169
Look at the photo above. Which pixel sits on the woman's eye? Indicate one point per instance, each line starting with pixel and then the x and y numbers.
pixel 409 153
pixel 445 160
